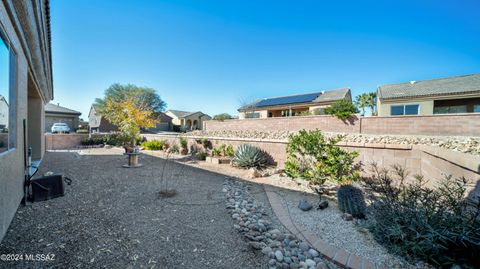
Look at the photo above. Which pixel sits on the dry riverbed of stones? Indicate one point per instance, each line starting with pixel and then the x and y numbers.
pixel 252 221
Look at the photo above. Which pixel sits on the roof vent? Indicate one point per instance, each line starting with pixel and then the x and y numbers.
pixel 412 82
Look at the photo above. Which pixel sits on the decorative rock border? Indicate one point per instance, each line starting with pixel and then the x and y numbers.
pixel 328 251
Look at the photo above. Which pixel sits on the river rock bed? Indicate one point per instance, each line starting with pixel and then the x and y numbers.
pixel 252 221
pixel 465 144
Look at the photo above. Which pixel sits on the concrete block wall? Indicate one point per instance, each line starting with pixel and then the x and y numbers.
pixel 441 125
pixel 437 125
pixel 323 122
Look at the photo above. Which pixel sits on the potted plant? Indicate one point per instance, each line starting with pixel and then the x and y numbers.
pixel 184 146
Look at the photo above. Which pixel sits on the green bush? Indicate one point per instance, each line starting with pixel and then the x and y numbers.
pixel 92 141
pixel 114 139
pixel 82 131
pixel 317 159
pixel 173 149
pixel 216 152
pixel 438 225
pixel 229 152
pixel 341 109
pixel 201 155
pixel 248 156
pixel 153 144
pixel 183 142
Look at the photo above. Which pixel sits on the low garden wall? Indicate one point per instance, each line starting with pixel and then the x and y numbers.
pixel 63 141
pixel 436 125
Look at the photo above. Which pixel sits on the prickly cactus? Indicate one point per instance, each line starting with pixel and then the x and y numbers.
pixel 351 201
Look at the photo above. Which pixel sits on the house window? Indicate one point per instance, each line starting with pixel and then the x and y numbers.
pixel 450 109
pixel 7 112
pixel 399 110
pixel 252 115
pixel 476 108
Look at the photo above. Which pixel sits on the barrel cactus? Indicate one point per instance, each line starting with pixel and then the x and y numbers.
pixel 351 201
pixel 248 156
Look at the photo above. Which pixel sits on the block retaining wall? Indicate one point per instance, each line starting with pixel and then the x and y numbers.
pixel 436 125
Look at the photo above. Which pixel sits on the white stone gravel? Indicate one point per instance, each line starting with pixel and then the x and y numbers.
pixel 329 225
pixel 465 144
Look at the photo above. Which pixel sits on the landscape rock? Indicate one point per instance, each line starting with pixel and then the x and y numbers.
pixel 305 205
pixel 322 205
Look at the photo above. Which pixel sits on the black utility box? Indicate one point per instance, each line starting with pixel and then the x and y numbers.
pixel 47 187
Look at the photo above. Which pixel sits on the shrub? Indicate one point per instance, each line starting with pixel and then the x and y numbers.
pixel 351 200
pixel 115 139
pixel 206 143
pixel 438 225
pixel 92 141
pixel 317 159
pixel 229 152
pixel 201 155
pixel 248 156
pixel 82 131
pixel 173 149
pixel 216 152
pixel 183 142
pixel 153 144
pixel 341 109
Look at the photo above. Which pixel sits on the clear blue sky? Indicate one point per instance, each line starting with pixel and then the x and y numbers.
pixel 206 55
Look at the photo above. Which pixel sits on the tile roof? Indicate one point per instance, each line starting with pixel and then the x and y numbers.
pixel 183 114
pixel 51 108
pixel 442 86
pixel 315 97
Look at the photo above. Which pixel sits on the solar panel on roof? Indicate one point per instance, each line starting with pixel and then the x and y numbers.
pixel 295 99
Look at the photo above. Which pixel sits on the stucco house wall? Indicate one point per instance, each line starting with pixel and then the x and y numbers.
pixel 30 19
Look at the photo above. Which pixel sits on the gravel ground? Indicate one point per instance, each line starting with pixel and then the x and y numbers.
pixel 112 217
pixel 329 225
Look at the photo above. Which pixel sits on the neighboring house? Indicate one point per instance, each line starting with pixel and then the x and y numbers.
pixel 164 123
pixel 97 123
pixel 188 121
pixel 4 108
pixel 459 94
pixel 26 83
pixel 294 105
pixel 57 113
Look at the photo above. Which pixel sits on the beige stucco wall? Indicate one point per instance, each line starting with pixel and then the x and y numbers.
pixel 175 120
pixel 12 161
pixel 426 106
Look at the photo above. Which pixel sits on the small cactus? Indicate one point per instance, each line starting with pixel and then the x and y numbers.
pixel 248 156
pixel 351 201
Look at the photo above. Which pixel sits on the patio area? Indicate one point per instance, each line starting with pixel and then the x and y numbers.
pixel 112 217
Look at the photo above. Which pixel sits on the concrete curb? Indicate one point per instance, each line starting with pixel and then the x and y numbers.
pixel 330 252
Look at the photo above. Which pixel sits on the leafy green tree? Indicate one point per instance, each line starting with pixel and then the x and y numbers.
pixel 342 109
pixel 144 98
pixel 130 108
pixel 222 116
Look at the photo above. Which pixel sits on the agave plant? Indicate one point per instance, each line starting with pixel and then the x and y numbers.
pixel 248 156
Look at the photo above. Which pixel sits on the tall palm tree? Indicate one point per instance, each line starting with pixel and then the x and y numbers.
pixel 372 102
pixel 361 102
